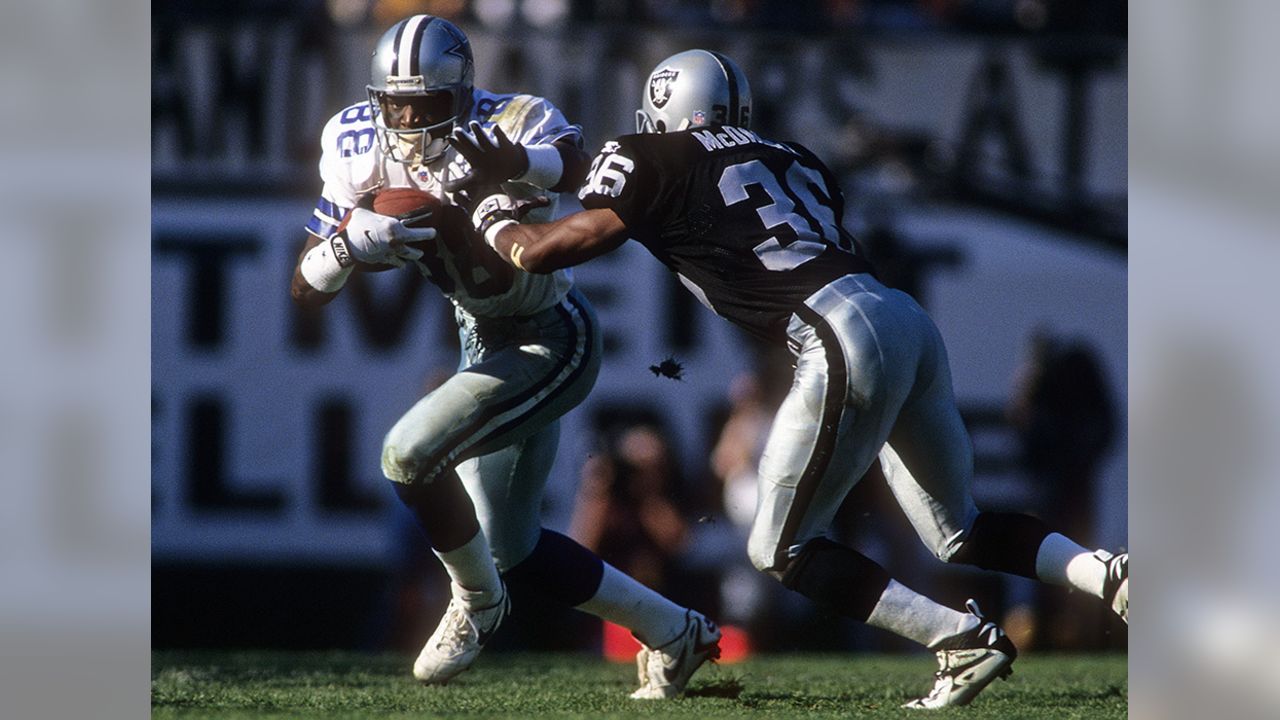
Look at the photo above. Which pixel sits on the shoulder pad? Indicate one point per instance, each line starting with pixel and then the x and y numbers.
pixel 349 149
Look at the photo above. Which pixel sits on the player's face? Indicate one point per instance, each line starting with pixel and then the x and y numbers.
pixel 413 112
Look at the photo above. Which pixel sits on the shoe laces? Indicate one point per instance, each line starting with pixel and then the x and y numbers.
pixel 645 657
pixel 459 625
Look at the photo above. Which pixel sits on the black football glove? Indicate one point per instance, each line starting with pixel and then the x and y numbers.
pixel 493 159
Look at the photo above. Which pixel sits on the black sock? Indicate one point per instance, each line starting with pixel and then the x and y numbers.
pixel 838 578
pixel 559 569
pixel 1004 542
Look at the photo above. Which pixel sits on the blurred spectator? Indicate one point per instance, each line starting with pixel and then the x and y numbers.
pixel 1065 419
pixel 737 451
pixel 624 510
pixel 746 595
pixel 387 12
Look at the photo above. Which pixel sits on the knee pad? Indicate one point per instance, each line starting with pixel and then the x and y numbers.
pixel 1004 542
pixel 401 465
pixel 836 577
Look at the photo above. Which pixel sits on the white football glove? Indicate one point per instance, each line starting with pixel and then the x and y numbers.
pixel 380 239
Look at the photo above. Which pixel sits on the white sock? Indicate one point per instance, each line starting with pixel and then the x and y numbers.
pixel 623 600
pixel 1062 562
pixel 905 612
pixel 475 577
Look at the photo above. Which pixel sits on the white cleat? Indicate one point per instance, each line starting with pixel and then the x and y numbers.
pixel 1115 590
pixel 458 639
pixel 665 670
pixel 967 663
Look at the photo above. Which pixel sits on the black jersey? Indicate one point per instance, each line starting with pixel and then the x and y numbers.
pixel 751 226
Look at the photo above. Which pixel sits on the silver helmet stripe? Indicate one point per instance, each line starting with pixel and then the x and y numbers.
pixel 407 45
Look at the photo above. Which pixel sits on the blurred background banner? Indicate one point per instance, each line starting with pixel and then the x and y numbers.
pixel 982 147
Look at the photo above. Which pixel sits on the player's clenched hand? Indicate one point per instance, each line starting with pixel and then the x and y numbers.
pixel 493 158
pixel 382 240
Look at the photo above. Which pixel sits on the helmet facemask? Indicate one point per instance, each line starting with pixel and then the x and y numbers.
pixel 413 126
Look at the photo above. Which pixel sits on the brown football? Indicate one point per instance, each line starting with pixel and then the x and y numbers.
pixel 399 201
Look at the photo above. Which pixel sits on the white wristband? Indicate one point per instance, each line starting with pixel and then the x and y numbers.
pixel 491 235
pixel 545 166
pixel 321 270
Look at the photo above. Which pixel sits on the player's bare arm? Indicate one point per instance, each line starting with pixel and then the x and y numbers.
pixel 569 241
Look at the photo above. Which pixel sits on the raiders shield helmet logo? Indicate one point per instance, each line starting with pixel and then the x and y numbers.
pixel 660 86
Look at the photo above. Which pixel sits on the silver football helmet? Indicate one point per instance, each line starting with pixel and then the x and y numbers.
pixel 419 87
pixel 693 88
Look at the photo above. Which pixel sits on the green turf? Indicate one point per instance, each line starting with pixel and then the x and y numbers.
pixel 346 685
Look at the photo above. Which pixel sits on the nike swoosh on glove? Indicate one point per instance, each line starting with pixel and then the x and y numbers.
pixel 381 240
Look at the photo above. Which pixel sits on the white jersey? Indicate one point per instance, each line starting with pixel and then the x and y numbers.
pixel 354 166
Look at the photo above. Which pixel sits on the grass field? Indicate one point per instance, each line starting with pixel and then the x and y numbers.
pixel 346 685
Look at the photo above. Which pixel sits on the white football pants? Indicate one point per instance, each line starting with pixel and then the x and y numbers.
pixel 871 380
pixel 497 420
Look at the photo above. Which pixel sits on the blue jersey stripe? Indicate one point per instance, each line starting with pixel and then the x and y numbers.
pixel 319 228
pixel 322 225
pixel 326 217
pixel 330 208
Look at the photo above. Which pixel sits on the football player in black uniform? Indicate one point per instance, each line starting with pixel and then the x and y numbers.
pixel 752 228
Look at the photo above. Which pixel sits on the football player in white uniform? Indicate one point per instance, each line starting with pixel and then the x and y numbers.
pixel 471 458
pixel 751 226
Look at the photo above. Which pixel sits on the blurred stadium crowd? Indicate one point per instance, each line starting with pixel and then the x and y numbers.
pixel 669 499
pixel 1094 16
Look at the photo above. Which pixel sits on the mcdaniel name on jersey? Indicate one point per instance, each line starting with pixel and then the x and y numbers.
pixel 728 136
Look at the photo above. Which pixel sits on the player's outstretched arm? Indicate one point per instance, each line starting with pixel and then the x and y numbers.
pixel 543 248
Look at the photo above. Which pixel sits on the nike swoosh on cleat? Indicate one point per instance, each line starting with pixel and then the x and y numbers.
pixel 670 671
pixel 483 636
pixel 964 674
